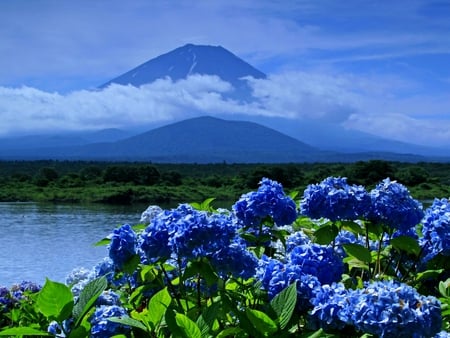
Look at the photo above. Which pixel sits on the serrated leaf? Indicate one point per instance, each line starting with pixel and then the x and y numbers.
pixel 407 244
pixel 188 327
pixel 284 304
pixel 261 322
pixel 55 301
pixel 358 251
pixel 23 331
pixel 88 296
pixel 326 234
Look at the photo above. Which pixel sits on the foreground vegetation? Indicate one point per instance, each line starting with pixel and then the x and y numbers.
pixel 168 184
pixel 340 260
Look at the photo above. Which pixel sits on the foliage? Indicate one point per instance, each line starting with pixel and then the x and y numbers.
pixel 341 261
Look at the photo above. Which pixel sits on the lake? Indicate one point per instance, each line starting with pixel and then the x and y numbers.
pixel 49 240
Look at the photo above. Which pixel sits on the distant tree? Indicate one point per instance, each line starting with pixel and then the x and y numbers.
pixel 91 173
pixel 172 178
pixel 413 176
pixel 45 176
pixel 371 172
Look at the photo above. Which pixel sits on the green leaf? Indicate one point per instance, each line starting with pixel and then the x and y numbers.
pixel 358 251
pixel 406 243
pixel 158 305
pixel 284 304
pixel 201 268
pixel 55 301
pixel 88 296
pixel 428 274
pixel 206 320
pixel 444 288
pixel 127 321
pixel 188 328
pixel 261 322
pixel 131 264
pixel 352 226
pixel 229 332
pixel 103 242
pixel 326 234
pixel 23 331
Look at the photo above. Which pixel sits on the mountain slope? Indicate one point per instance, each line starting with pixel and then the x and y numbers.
pixel 193 59
pixel 206 139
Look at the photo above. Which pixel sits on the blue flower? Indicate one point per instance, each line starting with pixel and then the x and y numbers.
pixel 268 201
pixel 328 301
pixel 318 260
pixel 123 245
pixel 391 309
pixel 108 297
pixel 154 240
pixel 335 199
pixel 236 260
pixel 393 206
pixel 101 327
pixel 296 239
pixel 186 233
pixel 436 229
pixel 201 235
pixel 276 276
pixel 150 213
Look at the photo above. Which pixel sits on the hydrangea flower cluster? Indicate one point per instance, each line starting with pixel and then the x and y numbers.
pixel 150 213
pixel 17 292
pixel 188 233
pixel 318 260
pixel 392 205
pixel 276 276
pixel 296 239
pixel 268 201
pixel 335 199
pixel 329 301
pixel 236 260
pixel 123 245
pixel 386 309
pixel 436 229
pixel 101 327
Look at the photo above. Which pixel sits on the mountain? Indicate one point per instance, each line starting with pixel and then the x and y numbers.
pixel 193 59
pixel 203 140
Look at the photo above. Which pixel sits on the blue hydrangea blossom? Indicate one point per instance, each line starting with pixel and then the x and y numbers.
pixel 101 327
pixel 334 199
pixel 393 206
pixel 436 229
pixel 276 276
pixel 390 309
pixel 123 245
pixel 318 260
pixel 269 200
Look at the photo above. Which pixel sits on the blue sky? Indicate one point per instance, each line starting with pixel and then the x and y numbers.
pixel 381 67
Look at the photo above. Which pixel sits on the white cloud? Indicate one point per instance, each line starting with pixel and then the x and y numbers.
pixel 368 104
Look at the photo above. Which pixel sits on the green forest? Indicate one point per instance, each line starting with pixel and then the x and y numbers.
pixel 155 183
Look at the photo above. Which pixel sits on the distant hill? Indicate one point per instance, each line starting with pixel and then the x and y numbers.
pixel 203 140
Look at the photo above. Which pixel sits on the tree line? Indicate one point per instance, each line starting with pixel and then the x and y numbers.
pixel 423 178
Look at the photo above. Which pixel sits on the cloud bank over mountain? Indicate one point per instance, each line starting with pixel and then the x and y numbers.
pixel 344 100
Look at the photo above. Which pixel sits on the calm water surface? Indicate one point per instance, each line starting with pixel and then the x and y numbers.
pixel 49 240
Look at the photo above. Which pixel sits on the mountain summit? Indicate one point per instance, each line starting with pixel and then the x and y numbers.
pixel 188 60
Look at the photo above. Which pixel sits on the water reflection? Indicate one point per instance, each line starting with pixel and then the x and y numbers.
pixel 49 240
